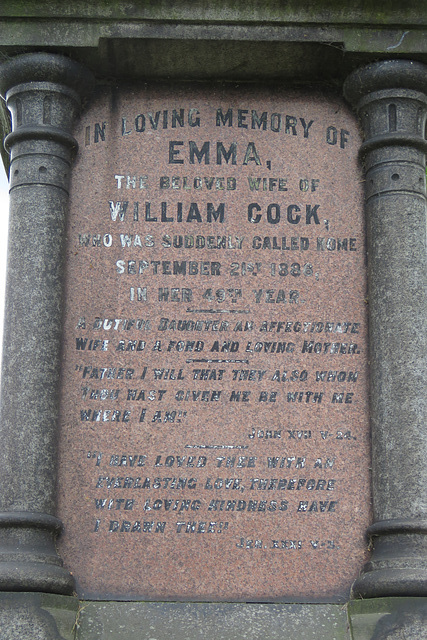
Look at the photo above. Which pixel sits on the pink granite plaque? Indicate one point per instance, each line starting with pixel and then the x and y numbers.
pixel 214 422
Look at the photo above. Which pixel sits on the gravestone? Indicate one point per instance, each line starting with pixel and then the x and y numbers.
pixel 214 422
pixel 211 271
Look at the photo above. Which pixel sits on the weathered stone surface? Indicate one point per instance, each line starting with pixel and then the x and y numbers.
pixel 118 620
pixel 43 93
pixel 237 40
pixel 215 332
pixel 392 102
pixel 37 616
pixel 388 618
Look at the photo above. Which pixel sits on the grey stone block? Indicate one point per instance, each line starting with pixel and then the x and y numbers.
pixel 193 621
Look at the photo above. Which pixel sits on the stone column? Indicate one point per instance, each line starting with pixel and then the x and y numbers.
pixel 390 97
pixel 43 92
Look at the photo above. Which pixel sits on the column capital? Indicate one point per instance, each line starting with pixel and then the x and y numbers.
pixel 45 67
pixel 386 74
pixel 43 92
pixel 391 99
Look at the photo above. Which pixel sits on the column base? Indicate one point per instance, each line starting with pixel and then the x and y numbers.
pixel 38 616
pixel 388 618
pixel 28 557
pixel 398 566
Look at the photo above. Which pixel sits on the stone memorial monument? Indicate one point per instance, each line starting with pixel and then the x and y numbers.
pixel 212 408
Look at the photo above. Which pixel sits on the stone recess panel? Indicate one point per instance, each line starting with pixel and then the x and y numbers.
pixel 214 422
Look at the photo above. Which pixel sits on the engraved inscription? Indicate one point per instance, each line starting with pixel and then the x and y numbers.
pixel 214 427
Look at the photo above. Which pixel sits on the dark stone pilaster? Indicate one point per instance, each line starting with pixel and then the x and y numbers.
pixel 43 93
pixel 390 97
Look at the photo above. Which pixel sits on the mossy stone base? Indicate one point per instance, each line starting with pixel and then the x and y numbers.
pixel 221 621
pixel 391 618
pixel 37 616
